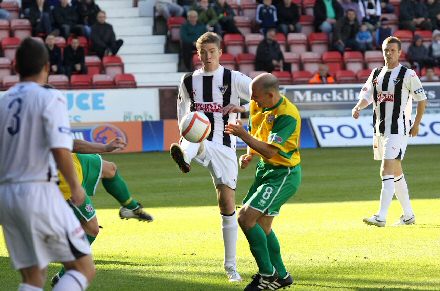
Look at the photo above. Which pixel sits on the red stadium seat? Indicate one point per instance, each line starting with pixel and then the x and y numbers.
pixel 345 76
pixel 281 39
pixel 292 59
pixel 297 42
pixel 253 74
pixel 308 6
pixel 426 36
pixel 60 42
pixel 59 81
pixel 125 81
pixel 174 24
pixel 4 28
pixel 318 42
pixel 21 28
pixel 363 75
pixel 406 37
pixel 228 61
pixel 252 40
pixel 333 60
pixel 93 64
pixel 81 81
pixel 354 61
pixel 284 77
pixel 249 8
pixel 374 59
pixel 310 61
pixel 306 22
pixel 234 43
pixel 113 65
pixel 243 24
pixel 246 63
pixel 9 81
pixel 12 7
pixel 101 81
pixel 9 46
pixel 301 77
pixel 5 67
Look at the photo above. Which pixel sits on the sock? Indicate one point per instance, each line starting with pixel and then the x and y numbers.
pixel 275 254
pixel 72 281
pixel 230 232
pixel 258 245
pixel 117 187
pixel 27 287
pixel 401 191
pixel 386 196
pixel 91 239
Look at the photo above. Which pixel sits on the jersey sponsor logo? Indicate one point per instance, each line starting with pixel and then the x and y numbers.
pixel 209 107
pixel 385 97
pixel 64 129
pixel 223 89
pixel 418 91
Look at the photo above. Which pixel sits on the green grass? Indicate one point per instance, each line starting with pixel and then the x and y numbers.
pixel 324 243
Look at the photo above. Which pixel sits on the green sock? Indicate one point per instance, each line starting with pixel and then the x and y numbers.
pixel 117 187
pixel 91 239
pixel 275 254
pixel 258 245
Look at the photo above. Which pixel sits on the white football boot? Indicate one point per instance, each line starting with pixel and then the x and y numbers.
pixel 374 220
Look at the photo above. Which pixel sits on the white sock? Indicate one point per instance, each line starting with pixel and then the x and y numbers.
pixel 190 149
pixel 401 191
pixel 27 287
pixel 72 280
pixel 386 196
pixel 230 232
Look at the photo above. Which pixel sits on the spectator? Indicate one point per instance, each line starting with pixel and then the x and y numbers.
pixel 269 55
pixel 190 31
pixel 414 15
pixel 386 7
pixel 418 54
pixel 87 11
pixel 225 15
pixel 288 17
pixel 186 4
pixel 39 17
pixel 168 8
pixel 326 13
pixel 383 32
pixel 430 76
pixel 345 32
pixel 371 11
pixel 364 38
pixel 322 76
pixel 55 57
pixel 74 58
pixel 266 16
pixel 207 16
pixel 103 37
pixel 353 5
pixel 434 48
pixel 66 19
pixel 433 12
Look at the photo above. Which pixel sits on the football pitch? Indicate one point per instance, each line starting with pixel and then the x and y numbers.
pixel 324 243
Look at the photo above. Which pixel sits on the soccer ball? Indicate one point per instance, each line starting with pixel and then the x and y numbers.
pixel 195 127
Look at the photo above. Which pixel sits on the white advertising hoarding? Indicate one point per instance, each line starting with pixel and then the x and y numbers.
pixel 347 131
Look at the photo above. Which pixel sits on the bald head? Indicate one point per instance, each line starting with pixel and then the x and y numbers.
pixel 266 82
pixel 265 90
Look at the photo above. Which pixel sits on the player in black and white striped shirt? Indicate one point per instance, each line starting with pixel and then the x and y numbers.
pixel 391 90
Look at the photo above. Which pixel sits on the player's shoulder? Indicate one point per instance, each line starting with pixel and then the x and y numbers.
pixel 240 77
pixel 289 108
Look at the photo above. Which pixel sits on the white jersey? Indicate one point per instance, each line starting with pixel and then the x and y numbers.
pixel 209 92
pixel 33 120
pixel 391 92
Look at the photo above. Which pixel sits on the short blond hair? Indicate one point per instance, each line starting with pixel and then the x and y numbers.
pixel 208 37
pixel 393 39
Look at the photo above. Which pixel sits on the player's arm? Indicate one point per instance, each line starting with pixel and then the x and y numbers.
pixel 421 105
pixel 183 101
pixel 85 147
pixel 365 96
pixel 418 94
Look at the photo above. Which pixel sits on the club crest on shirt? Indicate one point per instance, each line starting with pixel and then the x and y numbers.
pixel 270 118
pixel 375 82
pixel 275 138
pixel 223 89
pixel 396 81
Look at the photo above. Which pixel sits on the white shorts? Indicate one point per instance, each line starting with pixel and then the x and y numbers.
pixel 389 147
pixel 39 226
pixel 221 162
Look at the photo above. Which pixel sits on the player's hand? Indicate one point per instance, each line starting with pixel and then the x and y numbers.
pixel 355 112
pixel 115 144
pixel 232 108
pixel 414 131
pixel 245 160
pixel 78 195
pixel 235 129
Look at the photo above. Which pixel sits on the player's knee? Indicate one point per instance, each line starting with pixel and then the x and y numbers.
pixel 244 221
pixel 109 169
pixel 93 231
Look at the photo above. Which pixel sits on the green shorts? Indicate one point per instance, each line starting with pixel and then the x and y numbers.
pixel 91 165
pixel 273 186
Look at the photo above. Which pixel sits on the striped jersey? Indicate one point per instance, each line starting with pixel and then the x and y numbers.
pixel 209 92
pixel 391 92
pixel 279 126
pixel 33 120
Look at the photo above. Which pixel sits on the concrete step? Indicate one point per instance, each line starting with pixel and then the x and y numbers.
pixel 133 30
pixel 144 40
pixel 150 58
pixel 158 79
pixel 141 49
pixel 109 5
pixel 133 21
pixel 123 12
pixel 151 68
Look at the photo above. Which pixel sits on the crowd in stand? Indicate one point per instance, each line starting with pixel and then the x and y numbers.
pixel 351 25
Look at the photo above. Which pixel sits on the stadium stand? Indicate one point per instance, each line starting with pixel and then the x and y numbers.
pixel 59 81
pixel 234 43
pixel 125 81
pixel 246 63
pixel 297 42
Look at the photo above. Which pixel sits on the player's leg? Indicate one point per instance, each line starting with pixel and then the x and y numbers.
pixel 115 185
pixel 78 275
pixel 184 152
pixel 402 194
pixel 33 278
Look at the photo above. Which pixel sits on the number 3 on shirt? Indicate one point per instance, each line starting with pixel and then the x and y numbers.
pixel 15 126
